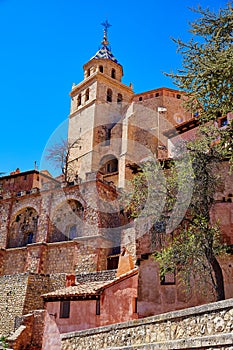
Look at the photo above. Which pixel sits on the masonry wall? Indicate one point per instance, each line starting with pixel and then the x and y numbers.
pixel 203 327
pixel 21 293
pixel 12 299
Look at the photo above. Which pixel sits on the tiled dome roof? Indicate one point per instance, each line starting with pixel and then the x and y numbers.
pixel 105 53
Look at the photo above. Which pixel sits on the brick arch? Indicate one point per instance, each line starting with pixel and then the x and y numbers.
pixel 23 205
pixel 23 227
pixel 66 220
pixel 62 199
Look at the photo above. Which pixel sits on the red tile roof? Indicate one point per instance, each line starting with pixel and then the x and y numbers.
pixel 87 289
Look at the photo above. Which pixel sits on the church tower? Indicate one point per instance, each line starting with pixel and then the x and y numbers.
pixel 97 105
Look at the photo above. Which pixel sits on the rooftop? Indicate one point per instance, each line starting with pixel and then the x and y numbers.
pixel 105 52
pixel 87 289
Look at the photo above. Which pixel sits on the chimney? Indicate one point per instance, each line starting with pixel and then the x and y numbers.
pixel 125 263
pixel 70 280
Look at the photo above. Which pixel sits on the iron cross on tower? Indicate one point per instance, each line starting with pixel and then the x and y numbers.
pixel 106 25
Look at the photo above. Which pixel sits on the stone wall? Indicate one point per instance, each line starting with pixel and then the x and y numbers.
pixel 21 293
pixel 38 285
pixel 204 327
pixel 104 275
pixel 38 331
pixel 18 255
pixel 12 298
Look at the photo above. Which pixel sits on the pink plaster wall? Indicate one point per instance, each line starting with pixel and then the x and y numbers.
pixel 82 315
pixel 117 304
pixel 154 298
pixel 51 335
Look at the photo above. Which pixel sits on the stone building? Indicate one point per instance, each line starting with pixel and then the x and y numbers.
pixel 50 229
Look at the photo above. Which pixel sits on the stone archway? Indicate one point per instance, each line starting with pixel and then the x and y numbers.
pixel 23 228
pixel 108 164
pixel 66 221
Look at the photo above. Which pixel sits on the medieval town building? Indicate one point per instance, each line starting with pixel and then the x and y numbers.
pixel 69 247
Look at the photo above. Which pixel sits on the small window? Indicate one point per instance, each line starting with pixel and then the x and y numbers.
pixel 25 177
pixel 119 98
pixel 157 94
pixel 160 226
pixel 112 166
pixel 79 100
pixel 140 98
pixel 178 96
pixel 101 69
pixel 108 168
pixel 88 72
pixel 30 238
pixel 73 232
pixel 113 75
pixel 135 305
pixel 223 122
pixel 98 307
pixel 109 95
pixel 168 278
pixel 108 135
pixel 65 309
pixel 87 95
pixel 112 262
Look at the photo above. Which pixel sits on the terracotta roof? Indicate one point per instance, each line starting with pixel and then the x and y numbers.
pixel 87 289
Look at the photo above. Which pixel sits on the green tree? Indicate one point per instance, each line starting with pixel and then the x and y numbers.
pixel 207 68
pixel 206 76
pixel 189 243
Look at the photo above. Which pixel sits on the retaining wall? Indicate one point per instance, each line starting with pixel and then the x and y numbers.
pixel 208 326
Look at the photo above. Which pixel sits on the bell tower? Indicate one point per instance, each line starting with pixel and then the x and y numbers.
pixel 96 108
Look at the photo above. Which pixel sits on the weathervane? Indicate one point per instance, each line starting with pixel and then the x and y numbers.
pixel 106 25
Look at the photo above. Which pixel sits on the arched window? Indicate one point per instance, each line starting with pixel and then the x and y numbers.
pixel 109 164
pixel 66 221
pixel 101 69
pixel 23 228
pixel 87 94
pixel 113 75
pixel 119 98
pixel 79 100
pixel 109 95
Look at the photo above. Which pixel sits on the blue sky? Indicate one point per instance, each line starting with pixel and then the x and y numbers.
pixel 44 44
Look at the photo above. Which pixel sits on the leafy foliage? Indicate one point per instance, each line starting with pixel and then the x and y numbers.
pixel 192 243
pixel 207 68
pixel 3 342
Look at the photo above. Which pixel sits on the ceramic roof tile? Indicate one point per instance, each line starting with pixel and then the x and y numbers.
pixel 91 288
pixel 105 53
pixel 80 289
